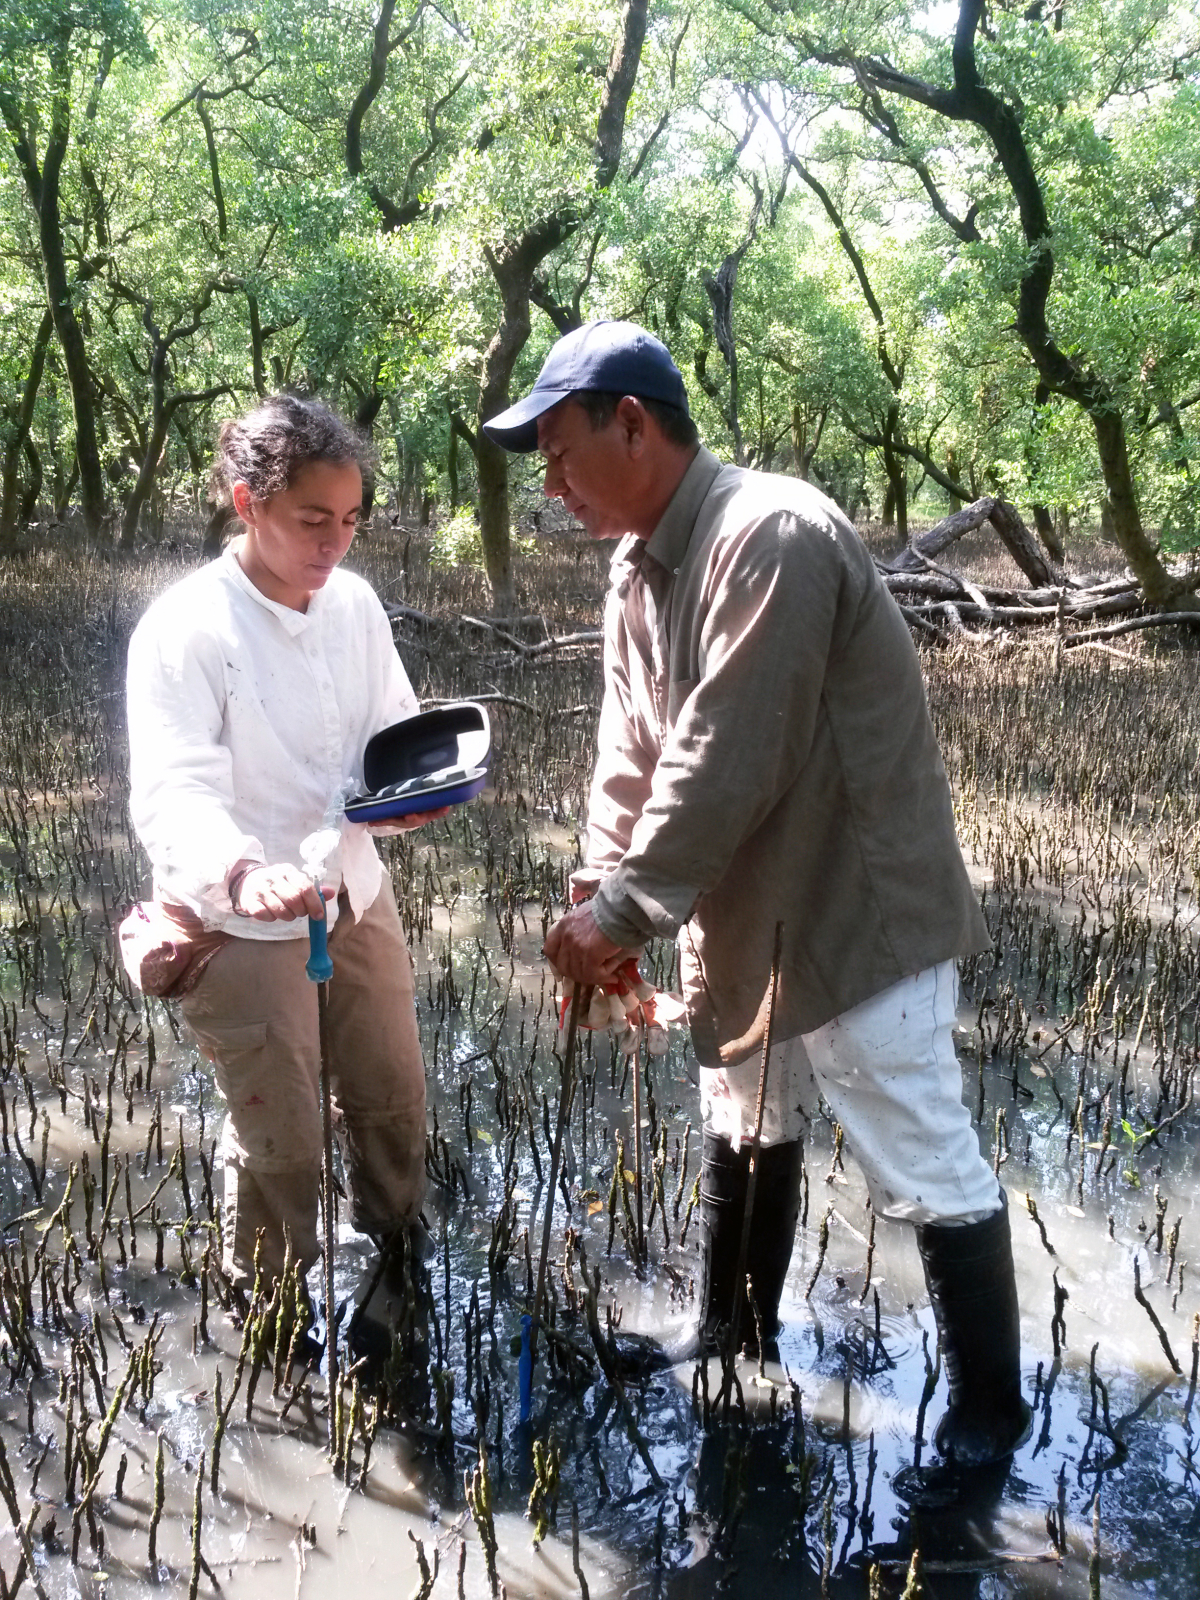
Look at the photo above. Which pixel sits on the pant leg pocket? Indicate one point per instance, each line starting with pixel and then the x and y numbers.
pixel 224 1041
pixel 273 1123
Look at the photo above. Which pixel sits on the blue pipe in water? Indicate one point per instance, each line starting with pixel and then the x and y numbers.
pixel 525 1368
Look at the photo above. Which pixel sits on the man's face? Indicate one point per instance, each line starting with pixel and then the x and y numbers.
pixel 588 469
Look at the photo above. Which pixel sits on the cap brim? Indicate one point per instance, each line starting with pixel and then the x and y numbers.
pixel 516 428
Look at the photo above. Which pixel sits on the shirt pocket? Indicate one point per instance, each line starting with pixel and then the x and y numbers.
pixel 679 690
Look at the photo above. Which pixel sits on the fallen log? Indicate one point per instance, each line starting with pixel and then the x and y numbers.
pixel 943 619
pixel 401 613
pixel 940 604
pixel 1013 533
pixel 532 651
pixel 1014 605
pixel 1160 619
pixel 588 636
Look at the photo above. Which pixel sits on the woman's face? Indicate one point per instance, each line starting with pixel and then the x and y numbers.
pixel 294 539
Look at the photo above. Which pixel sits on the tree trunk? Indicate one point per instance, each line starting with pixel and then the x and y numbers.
pixel 64 488
pixel 491 462
pixel 491 465
pixel 258 363
pixel 10 483
pixel 953 470
pixel 1159 587
pixel 10 466
pixel 719 287
pixel 513 266
pixel 220 519
pixel 1021 545
pixel 33 488
pixel 409 492
pixel 144 482
pixel 452 468
pixel 154 511
pixel 799 440
pixel 897 478
pixel 156 435
pixel 58 294
pixel 1048 534
pixel 1016 537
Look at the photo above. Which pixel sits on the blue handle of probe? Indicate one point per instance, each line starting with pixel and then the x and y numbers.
pixel 319 967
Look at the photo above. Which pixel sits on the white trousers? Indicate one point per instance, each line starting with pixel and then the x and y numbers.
pixel 888 1073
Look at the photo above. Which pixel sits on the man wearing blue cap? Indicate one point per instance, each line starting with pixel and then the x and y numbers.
pixel 766 757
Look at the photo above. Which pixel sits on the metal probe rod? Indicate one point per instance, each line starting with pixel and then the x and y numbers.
pixel 319 968
pixel 564 1101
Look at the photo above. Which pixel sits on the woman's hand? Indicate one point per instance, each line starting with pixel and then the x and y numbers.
pixel 279 894
pixel 415 819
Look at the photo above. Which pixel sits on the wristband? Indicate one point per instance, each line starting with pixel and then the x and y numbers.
pixel 234 884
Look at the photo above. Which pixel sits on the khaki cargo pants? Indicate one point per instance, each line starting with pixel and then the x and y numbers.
pixel 254 1014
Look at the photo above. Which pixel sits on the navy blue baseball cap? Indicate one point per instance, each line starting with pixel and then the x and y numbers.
pixel 604 357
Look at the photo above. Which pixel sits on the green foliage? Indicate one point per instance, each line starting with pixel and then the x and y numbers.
pixel 206 200
pixel 456 542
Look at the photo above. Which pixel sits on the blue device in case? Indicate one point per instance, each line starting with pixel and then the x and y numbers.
pixel 438 758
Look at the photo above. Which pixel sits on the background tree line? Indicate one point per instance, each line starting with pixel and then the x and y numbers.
pixel 903 259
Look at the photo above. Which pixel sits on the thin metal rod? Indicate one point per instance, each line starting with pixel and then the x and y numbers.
pixel 735 1322
pixel 327 1192
pixel 564 1101
pixel 637 1151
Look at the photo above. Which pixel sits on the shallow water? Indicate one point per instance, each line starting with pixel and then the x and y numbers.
pixel 733 1514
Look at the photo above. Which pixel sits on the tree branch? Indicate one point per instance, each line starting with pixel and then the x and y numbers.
pixel 196 397
pixel 618 86
pixel 241 86
pixel 382 45
pixel 877 441
pixel 466 433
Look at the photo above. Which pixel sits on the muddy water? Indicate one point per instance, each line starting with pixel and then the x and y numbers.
pixel 791 1496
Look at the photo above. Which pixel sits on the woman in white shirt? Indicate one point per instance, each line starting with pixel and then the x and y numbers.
pixel 253 687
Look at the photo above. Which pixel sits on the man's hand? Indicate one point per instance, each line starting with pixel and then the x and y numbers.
pixel 576 949
pixel 279 894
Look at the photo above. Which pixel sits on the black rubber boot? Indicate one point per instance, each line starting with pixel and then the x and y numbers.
pixel 973 1292
pixel 724 1176
pixel 408 1240
pixel 392 1303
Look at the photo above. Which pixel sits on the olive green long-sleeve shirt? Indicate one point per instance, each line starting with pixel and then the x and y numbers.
pixel 766 755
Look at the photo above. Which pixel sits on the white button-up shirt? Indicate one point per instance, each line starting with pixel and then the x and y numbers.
pixel 246 719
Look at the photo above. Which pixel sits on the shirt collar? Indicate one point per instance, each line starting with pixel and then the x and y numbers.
pixel 668 544
pixel 294 622
pixel 669 541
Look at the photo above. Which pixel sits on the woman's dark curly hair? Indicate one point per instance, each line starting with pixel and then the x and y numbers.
pixel 267 447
